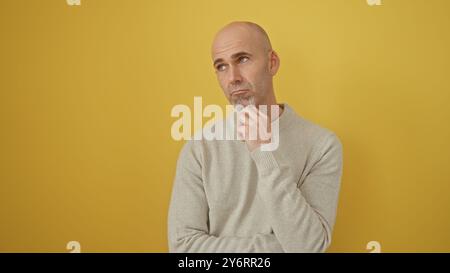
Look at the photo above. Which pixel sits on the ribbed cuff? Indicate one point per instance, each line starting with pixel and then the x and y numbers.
pixel 265 161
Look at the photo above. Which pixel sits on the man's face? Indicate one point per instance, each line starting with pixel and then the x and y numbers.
pixel 242 67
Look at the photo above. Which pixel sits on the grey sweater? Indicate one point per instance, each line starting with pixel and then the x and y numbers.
pixel 227 199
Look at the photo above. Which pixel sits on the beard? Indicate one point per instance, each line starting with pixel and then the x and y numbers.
pixel 245 99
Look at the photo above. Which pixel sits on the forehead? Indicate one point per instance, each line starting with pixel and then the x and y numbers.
pixel 229 42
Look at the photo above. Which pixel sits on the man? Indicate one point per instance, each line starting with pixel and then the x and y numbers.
pixel 231 196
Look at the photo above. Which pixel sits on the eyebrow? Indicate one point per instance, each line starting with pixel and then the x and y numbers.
pixel 234 56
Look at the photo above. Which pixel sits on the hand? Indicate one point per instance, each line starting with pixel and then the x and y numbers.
pixel 254 127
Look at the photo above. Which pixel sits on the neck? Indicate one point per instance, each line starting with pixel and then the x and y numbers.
pixel 270 101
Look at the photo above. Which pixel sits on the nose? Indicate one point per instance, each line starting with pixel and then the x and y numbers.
pixel 235 76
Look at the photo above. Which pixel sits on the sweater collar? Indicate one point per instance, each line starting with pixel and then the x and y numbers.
pixel 286 116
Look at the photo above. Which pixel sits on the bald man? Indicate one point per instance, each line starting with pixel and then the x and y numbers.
pixel 234 196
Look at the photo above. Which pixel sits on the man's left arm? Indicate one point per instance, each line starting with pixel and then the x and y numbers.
pixel 302 218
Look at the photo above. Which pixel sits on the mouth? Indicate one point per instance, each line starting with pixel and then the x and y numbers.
pixel 239 92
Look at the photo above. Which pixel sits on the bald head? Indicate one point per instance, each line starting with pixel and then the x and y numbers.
pixel 245 63
pixel 241 32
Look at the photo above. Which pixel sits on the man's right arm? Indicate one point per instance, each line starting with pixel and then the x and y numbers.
pixel 188 215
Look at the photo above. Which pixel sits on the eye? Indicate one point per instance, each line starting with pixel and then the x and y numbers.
pixel 220 67
pixel 243 59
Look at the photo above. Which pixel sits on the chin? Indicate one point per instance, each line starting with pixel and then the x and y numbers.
pixel 245 101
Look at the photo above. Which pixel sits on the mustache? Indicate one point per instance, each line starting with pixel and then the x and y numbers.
pixel 233 88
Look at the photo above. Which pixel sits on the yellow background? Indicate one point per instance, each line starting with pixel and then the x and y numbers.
pixel 86 93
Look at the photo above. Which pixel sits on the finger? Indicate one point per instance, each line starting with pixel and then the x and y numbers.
pixel 241 132
pixel 244 118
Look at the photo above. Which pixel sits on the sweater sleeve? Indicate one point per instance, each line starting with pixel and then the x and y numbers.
pixel 188 225
pixel 302 218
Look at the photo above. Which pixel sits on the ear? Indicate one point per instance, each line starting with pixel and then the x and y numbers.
pixel 274 62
